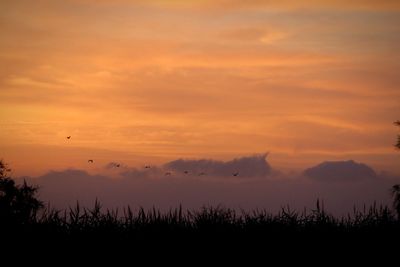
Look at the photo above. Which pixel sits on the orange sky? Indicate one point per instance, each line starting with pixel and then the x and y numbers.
pixel 152 81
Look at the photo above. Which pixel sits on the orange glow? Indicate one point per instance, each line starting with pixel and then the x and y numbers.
pixel 159 80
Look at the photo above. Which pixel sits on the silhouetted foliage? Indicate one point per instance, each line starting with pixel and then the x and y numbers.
pixel 84 219
pixel 396 199
pixel 397 123
pixel 18 204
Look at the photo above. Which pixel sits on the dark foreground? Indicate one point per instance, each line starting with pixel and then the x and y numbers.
pixel 366 234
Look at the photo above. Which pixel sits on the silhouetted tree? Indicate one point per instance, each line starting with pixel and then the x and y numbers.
pixel 398 137
pixel 18 203
pixel 396 199
pixel 396 188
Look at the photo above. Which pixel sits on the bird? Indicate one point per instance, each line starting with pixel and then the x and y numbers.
pixel 168 173
pixel 90 161
pixel 69 137
pixel 202 173
pixel 117 165
pixel 186 172
pixel 235 174
pixel 147 167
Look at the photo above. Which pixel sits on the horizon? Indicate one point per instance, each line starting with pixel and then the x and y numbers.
pixel 92 166
pixel 247 183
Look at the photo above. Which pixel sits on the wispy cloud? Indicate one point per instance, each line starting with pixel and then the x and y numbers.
pixel 177 79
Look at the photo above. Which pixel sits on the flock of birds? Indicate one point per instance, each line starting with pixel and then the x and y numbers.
pixel 117 165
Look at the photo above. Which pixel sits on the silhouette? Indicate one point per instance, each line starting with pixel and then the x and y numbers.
pixel 147 167
pixel 186 172
pixel 235 174
pixel 68 137
pixel 397 145
pixel 18 203
pixel 202 173
pixel 396 199
pixel 168 173
pixel 90 161
pixel 396 188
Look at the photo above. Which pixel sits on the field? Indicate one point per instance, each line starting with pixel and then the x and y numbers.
pixel 209 223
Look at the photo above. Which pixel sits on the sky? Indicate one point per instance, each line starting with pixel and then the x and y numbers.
pixel 149 82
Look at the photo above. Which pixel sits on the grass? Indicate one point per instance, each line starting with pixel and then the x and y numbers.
pixel 79 221
pixel 216 231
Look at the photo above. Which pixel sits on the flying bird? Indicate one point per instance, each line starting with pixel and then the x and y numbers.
pixel 202 173
pixel 186 172
pixel 90 161
pixel 235 174
pixel 168 173
pixel 147 167
pixel 113 165
pixel 68 137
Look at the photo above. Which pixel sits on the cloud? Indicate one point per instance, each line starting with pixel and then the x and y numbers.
pixel 64 188
pixel 281 4
pixel 252 166
pixel 254 34
pixel 136 173
pixel 72 177
pixel 237 4
pixel 341 171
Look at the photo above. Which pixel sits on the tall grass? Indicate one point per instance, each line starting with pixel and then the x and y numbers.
pixel 213 228
pixel 81 220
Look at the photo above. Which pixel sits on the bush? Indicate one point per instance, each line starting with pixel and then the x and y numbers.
pixel 18 203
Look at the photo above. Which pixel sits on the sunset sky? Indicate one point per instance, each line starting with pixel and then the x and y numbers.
pixel 147 82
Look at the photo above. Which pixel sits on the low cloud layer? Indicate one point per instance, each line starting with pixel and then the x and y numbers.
pixel 150 187
pixel 341 171
pixel 252 166
pixel 255 166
